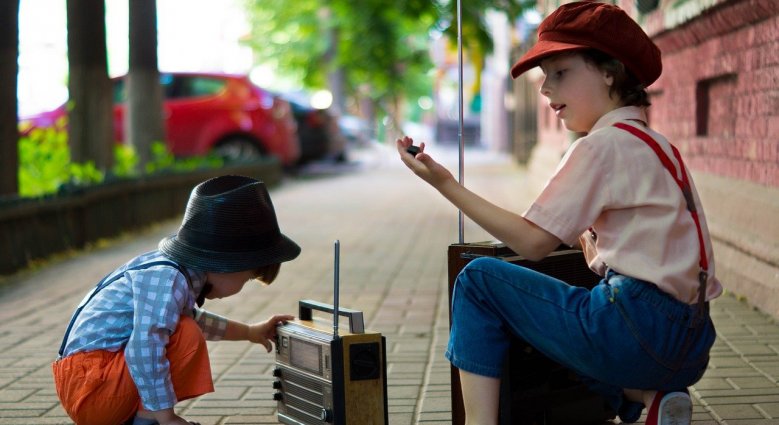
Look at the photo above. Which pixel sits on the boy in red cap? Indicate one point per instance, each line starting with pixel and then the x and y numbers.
pixel 136 344
pixel 622 193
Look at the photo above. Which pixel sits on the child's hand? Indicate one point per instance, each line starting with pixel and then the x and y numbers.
pixel 422 164
pixel 264 332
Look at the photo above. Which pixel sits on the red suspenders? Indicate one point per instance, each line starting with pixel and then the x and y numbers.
pixel 684 185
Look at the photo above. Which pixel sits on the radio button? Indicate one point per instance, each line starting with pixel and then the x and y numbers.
pixel 276 385
pixel 277 372
pixel 278 396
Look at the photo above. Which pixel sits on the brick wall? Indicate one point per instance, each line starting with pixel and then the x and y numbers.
pixel 718 97
pixel 718 101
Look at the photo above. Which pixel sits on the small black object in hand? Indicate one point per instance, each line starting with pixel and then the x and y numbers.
pixel 413 150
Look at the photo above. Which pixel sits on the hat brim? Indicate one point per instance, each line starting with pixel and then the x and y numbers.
pixel 228 262
pixel 542 50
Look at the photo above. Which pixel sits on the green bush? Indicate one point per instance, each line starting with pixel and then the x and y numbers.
pixel 45 166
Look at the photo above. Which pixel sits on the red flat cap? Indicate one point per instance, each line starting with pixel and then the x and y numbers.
pixel 588 24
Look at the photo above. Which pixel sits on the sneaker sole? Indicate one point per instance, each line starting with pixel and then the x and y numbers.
pixel 675 409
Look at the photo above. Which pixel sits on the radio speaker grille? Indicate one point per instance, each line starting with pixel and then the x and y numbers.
pixel 303 396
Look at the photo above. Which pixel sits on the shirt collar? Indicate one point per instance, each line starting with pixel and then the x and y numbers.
pixel 197 278
pixel 620 114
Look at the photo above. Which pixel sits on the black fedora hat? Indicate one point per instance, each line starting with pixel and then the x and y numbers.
pixel 229 226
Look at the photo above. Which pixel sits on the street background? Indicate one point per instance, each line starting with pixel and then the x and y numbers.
pixel 394 232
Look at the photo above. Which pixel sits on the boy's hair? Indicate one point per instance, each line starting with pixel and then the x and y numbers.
pixel 626 85
pixel 267 274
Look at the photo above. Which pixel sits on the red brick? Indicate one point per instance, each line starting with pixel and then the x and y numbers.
pixel 772 123
pixel 769 54
pixel 766 31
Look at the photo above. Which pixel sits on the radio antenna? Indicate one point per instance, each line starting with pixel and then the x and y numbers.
pixel 336 279
pixel 461 165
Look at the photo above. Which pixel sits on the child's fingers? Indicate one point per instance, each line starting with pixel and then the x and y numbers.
pixel 280 318
pixel 402 143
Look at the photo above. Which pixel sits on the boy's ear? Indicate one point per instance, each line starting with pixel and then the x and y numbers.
pixel 608 78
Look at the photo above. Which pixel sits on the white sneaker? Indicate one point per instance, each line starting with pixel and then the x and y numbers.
pixel 670 409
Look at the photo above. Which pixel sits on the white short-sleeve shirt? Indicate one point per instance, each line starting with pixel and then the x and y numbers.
pixel 613 183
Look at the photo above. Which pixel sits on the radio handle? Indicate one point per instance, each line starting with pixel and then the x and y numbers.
pixel 356 324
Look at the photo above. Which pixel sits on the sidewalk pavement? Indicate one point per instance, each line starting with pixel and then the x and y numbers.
pixel 394 231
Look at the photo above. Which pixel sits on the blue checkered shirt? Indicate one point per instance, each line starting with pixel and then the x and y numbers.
pixel 138 313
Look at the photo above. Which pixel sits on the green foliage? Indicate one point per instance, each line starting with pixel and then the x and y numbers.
pixel 474 27
pixel 125 161
pixel 161 158
pixel 45 166
pixel 162 161
pixel 382 47
pixel 44 163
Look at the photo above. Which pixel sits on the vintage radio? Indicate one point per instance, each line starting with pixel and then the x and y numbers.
pixel 323 377
pixel 534 389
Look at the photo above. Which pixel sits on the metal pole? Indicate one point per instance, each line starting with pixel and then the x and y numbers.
pixel 336 282
pixel 461 165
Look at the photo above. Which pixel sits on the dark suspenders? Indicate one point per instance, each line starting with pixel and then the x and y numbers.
pixel 684 184
pixel 107 281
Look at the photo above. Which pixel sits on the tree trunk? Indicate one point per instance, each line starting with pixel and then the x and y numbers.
pixel 335 74
pixel 144 121
pixel 90 119
pixel 9 70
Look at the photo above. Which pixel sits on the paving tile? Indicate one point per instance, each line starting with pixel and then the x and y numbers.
pixel 753 382
pixel 738 411
pixel 770 409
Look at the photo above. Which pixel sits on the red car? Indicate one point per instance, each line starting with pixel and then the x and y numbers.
pixel 212 113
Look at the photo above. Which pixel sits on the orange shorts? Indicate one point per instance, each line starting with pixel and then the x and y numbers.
pixel 96 387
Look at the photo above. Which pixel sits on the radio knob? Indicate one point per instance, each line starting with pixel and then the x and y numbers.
pixel 278 396
pixel 326 416
pixel 276 385
pixel 277 372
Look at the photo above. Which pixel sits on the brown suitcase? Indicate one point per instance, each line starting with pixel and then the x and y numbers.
pixel 534 389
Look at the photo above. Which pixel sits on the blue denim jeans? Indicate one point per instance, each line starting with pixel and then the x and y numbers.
pixel 624 333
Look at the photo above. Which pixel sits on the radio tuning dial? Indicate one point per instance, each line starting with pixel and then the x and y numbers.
pixel 326 416
pixel 277 372
pixel 278 396
pixel 276 385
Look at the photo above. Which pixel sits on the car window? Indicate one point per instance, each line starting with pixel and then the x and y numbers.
pixel 119 93
pixel 168 85
pixel 166 81
pixel 197 86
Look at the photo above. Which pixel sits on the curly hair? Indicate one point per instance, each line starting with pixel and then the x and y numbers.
pixel 629 89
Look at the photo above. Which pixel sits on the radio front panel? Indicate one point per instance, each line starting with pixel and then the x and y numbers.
pixel 305 349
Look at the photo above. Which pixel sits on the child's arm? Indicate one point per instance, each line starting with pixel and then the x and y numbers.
pixel 258 333
pixel 521 235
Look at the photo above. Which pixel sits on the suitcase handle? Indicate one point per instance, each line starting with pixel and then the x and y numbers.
pixel 356 323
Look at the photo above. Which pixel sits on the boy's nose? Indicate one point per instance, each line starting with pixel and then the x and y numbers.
pixel 545 90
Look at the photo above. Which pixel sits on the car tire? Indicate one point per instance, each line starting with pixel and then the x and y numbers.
pixel 238 148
